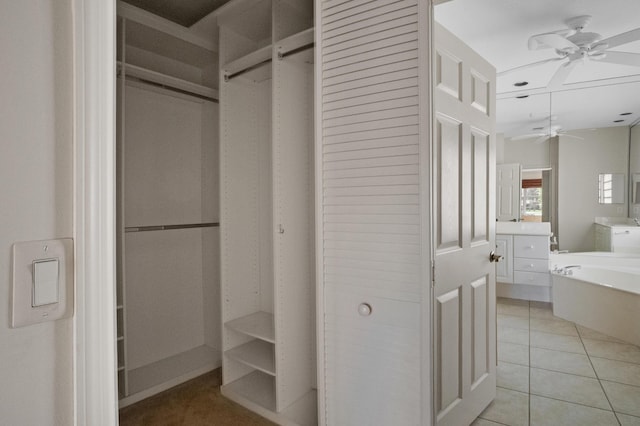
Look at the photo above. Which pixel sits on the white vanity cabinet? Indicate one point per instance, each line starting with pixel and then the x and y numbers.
pixel 523 273
pixel 504 268
pixel 617 238
pixel 531 260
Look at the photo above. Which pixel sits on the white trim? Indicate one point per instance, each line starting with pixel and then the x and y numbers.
pixel 319 192
pixel 427 241
pixel 95 380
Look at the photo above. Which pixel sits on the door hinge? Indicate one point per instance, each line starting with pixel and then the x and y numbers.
pixel 433 274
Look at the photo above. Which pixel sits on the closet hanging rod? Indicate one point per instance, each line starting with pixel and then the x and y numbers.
pixel 282 55
pixel 228 77
pixel 172 89
pixel 167 227
pixel 158 79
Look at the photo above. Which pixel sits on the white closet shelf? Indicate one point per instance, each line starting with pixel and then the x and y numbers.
pixel 167 80
pixel 257 354
pixel 256 390
pixel 200 359
pixel 249 62
pixel 259 325
pixel 295 41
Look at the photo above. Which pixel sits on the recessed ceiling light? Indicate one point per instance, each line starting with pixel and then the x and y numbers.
pixel 522 97
pixel 521 83
pixel 618 121
pixel 626 113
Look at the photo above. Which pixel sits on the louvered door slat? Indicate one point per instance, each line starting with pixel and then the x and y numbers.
pixel 371 209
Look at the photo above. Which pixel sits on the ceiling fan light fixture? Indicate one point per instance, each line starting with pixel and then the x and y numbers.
pixel 578 23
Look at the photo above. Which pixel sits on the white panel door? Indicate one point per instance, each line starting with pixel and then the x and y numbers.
pixel 464 231
pixel 508 192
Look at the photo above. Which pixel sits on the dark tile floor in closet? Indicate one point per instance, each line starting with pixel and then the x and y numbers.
pixel 197 402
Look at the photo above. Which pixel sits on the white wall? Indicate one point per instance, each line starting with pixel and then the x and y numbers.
pixel 529 154
pixel 500 148
pixel 580 161
pixel 36 193
pixel 634 166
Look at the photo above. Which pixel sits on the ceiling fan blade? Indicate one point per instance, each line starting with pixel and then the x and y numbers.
pixel 529 136
pixel 533 64
pixel 551 40
pixel 622 58
pixel 561 75
pixel 623 38
pixel 566 135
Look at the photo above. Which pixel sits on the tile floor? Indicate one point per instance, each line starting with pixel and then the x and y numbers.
pixel 553 372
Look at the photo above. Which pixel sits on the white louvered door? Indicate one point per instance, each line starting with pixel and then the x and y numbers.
pixel 464 228
pixel 372 146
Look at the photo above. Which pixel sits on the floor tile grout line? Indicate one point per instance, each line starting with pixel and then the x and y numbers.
pixel 493 421
pixel 512 390
pixel 572 402
pixel 598 377
pixel 637 364
pixel 564 372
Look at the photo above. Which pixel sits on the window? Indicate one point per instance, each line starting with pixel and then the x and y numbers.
pixel 531 200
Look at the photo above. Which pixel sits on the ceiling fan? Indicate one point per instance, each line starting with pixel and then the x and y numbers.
pixel 574 46
pixel 543 133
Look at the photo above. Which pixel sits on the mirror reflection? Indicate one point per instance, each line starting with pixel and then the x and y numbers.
pixel 568 104
pixel 611 188
pixel 635 188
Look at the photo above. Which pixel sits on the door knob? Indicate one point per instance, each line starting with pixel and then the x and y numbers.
pixel 493 257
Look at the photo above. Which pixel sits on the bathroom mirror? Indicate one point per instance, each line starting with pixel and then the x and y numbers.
pixel 611 188
pixel 576 122
pixel 635 187
pixel 634 171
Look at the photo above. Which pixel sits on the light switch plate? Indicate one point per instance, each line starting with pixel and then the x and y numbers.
pixel 55 299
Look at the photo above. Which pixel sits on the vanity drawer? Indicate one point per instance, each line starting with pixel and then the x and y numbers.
pixel 531 246
pixel 531 265
pixel 532 278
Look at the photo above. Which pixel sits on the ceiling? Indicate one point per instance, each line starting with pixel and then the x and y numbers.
pixel 594 94
pixel 185 12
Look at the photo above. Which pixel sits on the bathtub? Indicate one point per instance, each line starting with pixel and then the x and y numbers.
pixel 603 294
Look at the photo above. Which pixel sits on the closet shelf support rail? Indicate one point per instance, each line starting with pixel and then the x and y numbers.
pixel 167 227
pixel 282 55
pixel 231 76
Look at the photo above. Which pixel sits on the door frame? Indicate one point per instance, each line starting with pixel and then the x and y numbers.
pixel 95 360
pixel 95 399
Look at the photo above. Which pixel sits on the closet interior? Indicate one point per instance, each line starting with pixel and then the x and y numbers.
pixel 267 207
pixel 168 310
pixel 216 214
